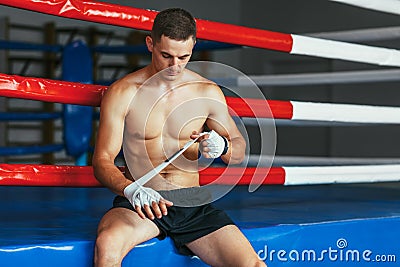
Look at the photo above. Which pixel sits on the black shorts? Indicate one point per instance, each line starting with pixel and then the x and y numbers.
pixel 184 224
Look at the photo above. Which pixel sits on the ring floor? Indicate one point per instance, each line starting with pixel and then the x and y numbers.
pixel 320 225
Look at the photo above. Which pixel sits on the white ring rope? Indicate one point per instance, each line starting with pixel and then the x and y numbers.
pixel 345 113
pixel 336 113
pixel 341 174
pixel 310 46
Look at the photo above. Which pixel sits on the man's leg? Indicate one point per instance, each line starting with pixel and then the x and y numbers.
pixel 119 231
pixel 226 247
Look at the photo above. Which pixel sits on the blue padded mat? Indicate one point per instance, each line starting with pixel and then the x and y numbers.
pixel 308 224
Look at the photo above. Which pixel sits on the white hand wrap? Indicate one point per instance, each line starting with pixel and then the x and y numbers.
pixel 217 145
pixel 139 195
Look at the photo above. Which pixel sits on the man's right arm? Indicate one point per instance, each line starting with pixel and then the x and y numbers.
pixel 113 110
pixel 109 139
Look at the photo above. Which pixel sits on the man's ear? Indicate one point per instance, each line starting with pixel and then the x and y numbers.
pixel 149 43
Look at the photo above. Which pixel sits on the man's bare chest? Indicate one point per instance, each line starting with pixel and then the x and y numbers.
pixel 173 115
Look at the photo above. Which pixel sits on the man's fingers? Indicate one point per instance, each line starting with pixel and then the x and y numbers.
pixel 201 138
pixel 156 209
pixel 204 137
pixel 166 202
pixel 148 211
pixel 164 205
pixel 163 208
pixel 194 135
pixel 204 142
pixel 204 152
pixel 140 212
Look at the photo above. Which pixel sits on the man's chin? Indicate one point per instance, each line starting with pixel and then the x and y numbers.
pixel 171 77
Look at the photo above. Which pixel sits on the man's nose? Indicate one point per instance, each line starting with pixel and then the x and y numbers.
pixel 173 61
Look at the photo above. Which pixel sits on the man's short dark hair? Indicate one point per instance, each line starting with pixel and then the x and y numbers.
pixel 174 23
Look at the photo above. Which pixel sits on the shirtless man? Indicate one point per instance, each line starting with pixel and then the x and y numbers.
pixel 153 112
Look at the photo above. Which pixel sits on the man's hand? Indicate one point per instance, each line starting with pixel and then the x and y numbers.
pixel 144 197
pixel 212 145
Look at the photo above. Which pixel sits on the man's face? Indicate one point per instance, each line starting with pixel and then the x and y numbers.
pixel 170 55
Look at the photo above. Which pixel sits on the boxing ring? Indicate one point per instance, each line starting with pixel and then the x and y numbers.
pixel 337 215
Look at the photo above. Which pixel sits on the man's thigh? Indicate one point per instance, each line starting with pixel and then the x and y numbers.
pixel 226 246
pixel 125 227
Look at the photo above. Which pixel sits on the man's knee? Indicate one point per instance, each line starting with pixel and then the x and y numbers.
pixel 108 252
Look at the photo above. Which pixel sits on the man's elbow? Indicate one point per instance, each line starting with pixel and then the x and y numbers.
pixel 95 162
pixel 99 163
pixel 237 159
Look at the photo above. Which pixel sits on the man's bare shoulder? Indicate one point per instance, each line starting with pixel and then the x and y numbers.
pixel 204 85
pixel 129 83
pixel 120 93
pixel 127 86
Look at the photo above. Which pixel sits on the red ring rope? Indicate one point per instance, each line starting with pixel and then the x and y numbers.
pixel 143 20
pixel 86 94
pixel 77 176
pixel 50 90
pixel 82 176
pixel 90 95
